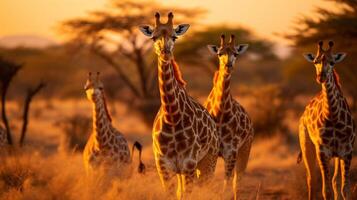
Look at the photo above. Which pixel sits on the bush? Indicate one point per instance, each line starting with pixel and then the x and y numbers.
pixel 267 110
pixel 76 130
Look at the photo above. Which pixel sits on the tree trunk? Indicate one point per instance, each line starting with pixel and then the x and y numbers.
pixel 3 113
pixel 141 67
pixel 30 94
pixel 119 70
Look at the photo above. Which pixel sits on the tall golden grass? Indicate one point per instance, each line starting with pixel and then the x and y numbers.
pixel 45 169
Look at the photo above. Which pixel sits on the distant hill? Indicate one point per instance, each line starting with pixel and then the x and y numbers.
pixel 29 41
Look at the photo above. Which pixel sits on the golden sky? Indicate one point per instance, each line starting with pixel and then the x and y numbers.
pixel 264 17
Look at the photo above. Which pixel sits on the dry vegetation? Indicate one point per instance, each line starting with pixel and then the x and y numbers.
pixel 47 169
pixel 50 165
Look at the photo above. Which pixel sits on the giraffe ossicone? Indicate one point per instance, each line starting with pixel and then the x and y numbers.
pixel 184 133
pixel 234 125
pixel 106 146
pixel 327 129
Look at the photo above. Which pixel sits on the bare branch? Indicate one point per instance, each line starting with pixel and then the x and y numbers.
pixel 31 92
pixel 118 69
pixel 8 71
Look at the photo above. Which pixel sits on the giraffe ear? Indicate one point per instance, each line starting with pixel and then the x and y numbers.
pixel 339 57
pixel 309 57
pixel 181 29
pixel 241 48
pixel 213 49
pixel 146 30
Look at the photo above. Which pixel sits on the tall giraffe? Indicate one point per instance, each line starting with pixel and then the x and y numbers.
pixel 233 122
pixel 327 129
pixel 3 137
pixel 184 133
pixel 106 145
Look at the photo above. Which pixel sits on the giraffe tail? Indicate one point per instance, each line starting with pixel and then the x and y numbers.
pixel 299 157
pixel 139 147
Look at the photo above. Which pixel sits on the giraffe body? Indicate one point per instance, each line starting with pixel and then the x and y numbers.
pixel 234 125
pixel 327 129
pixel 106 146
pixel 184 134
pixel 183 138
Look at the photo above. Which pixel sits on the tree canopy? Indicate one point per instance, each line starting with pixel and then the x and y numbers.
pixel 193 47
pixel 338 25
pixel 113 35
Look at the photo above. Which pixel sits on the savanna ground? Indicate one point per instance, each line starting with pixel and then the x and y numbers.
pixel 49 167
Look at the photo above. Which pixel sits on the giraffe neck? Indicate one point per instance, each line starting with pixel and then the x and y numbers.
pixel 221 89
pixel 331 94
pixel 169 92
pixel 101 119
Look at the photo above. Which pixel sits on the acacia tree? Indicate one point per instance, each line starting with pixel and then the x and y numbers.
pixel 340 26
pixel 194 46
pixel 113 35
pixel 8 70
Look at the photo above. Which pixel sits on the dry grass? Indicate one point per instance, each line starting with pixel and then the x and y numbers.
pixel 42 170
pixel 31 175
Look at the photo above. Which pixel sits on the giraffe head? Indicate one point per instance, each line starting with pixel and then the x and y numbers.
pixel 164 35
pixel 324 61
pixel 227 52
pixel 93 87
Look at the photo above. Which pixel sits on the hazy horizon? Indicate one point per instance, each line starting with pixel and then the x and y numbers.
pixel 25 18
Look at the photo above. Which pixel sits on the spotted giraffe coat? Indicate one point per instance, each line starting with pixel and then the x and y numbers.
pixel 234 125
pixel 184 133
pixel 106 145
pixel 327 130
pixel 329 121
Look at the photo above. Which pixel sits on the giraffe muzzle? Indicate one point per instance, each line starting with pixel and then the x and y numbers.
pixel 229 65
pixel 321 78
pixel 166 51
pixel 166 54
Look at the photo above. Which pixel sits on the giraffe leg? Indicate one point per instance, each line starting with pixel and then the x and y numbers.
pixel 241 165
pixel 334 178
pixel 187 180
pixel 207 165
pixel 189 174
pixel 180 186
pixel 184 183
pixel 308 154
pixel 163 172
pixel 229 165
pixel 323 160
pixel 345 176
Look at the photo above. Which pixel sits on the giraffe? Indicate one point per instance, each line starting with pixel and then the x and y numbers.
pixel 184 135
pixel 326 128
pixel 3 137
pixel 233 122
pixel 106 145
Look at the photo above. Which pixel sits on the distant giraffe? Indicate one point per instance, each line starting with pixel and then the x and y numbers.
pixel 184 133
pixel 233 122
pixel 106 145
pixel 3 137
pixel 327 129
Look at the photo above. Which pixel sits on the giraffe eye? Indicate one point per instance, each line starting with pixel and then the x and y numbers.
pixel 174 38
pixel 235 54
pixel 332 63
pixel 220 54
pixel 154 38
